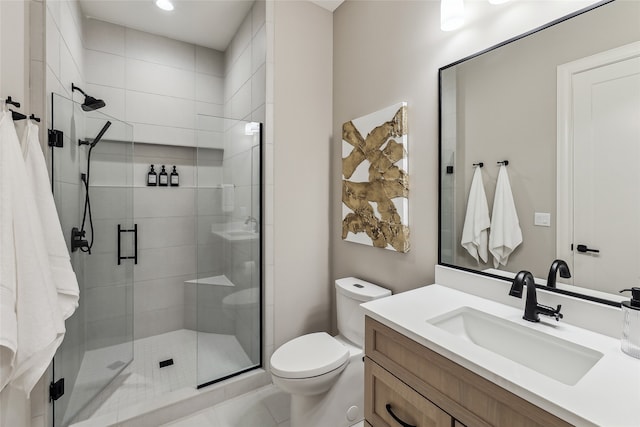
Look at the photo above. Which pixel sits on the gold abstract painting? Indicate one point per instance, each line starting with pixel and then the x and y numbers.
pixel 375 182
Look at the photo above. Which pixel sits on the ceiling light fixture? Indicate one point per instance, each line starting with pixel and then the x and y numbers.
pixel 451 14
pixel 164 5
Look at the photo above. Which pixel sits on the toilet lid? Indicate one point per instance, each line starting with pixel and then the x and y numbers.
pixel 309 356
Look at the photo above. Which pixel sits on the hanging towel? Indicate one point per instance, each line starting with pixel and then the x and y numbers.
pixel 505 226
pixel 8 279
pixel 34 308
pixel 64 278
pixel 475 232
pixel 228 195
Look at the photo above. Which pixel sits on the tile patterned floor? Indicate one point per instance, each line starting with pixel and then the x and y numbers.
pixel 143 379
pixel 264 407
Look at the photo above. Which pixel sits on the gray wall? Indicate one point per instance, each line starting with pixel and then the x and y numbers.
pixel 302 141
pixel 390 51
pixel 518 122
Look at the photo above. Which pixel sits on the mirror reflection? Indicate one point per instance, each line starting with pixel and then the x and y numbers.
pixel 562 106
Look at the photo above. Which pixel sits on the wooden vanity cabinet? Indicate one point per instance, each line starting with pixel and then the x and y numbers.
pixel 424 389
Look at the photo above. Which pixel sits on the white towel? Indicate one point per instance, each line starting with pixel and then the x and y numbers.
pixel 228 196
pixel 34 309
pixel 505 226
pixel 8 279
pixel 38 180
pixel 475 232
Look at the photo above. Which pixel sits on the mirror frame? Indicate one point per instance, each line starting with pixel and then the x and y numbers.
pixel 441 165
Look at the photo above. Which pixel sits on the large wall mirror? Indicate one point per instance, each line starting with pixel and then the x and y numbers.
pixel 562 105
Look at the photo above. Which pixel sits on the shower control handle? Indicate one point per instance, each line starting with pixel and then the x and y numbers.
pixel 77 241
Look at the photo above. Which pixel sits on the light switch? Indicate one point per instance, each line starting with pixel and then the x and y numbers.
pixel 542 219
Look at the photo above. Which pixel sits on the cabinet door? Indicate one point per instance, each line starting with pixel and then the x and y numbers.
pixel 389 402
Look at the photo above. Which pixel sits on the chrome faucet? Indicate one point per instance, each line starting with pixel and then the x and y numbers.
pixel 557 266
pixel 531 306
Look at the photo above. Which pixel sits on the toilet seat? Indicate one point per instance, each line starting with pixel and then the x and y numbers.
pixel 309 356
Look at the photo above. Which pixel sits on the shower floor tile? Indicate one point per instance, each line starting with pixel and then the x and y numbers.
pixel 144 380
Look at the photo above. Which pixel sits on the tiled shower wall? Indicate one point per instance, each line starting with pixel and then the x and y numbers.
pixel 64 65
pixel 153 82
pixel 160 85
pixel 124 67
pixel 448 180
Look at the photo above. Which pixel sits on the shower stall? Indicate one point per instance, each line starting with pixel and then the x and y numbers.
pixel 169 275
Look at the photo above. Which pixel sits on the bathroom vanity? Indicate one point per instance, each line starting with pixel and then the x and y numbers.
pixel 439 356
pixel 422 385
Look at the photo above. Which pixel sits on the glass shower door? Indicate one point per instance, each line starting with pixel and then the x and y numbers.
pixel 229 238
pixel 92 183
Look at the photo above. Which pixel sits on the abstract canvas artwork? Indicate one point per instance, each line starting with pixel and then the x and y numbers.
pixel 375 182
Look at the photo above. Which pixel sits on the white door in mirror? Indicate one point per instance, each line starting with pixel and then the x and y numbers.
pixel 606 106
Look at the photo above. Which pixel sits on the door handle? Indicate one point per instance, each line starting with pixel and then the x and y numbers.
pixel 584 248
pixel 134 230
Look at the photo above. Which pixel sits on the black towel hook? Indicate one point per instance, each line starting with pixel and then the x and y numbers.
pixel 480 164
pixel 34 118
pixel 504 162
pixel 12 102
pixel 17 116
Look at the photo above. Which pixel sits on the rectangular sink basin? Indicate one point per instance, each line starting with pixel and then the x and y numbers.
pixel 562 360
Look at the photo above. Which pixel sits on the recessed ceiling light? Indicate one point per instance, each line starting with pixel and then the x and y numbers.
pixel 451 14
pixel 164 4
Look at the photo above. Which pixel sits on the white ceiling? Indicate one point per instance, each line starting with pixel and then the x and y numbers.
pixel 210 23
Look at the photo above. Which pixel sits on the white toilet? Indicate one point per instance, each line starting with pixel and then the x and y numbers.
pixel 325 374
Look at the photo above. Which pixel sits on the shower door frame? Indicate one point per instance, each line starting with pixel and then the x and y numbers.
pixel 57 387
pixel 261 227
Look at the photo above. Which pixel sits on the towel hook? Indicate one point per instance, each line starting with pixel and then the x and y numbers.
pixel 504 162
pixel 17 116
pixel 480 164
pixel 12 102
pixel 34 118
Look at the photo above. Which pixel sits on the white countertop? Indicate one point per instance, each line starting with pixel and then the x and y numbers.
pixel 608 395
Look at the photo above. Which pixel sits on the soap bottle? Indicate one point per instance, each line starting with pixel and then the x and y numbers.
pixel 631 323
pixel 152 177
pixel 163 180
pixel 175 178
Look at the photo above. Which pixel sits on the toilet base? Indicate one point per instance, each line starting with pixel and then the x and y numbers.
pixel 341 406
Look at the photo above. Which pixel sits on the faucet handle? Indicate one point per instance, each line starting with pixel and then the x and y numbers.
pixel 550 311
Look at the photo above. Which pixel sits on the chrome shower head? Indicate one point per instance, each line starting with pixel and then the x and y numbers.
pixel 90 103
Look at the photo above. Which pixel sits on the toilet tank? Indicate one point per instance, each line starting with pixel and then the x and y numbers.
pixel 350 293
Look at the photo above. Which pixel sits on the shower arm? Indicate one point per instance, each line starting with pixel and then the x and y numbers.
pixel 74 87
